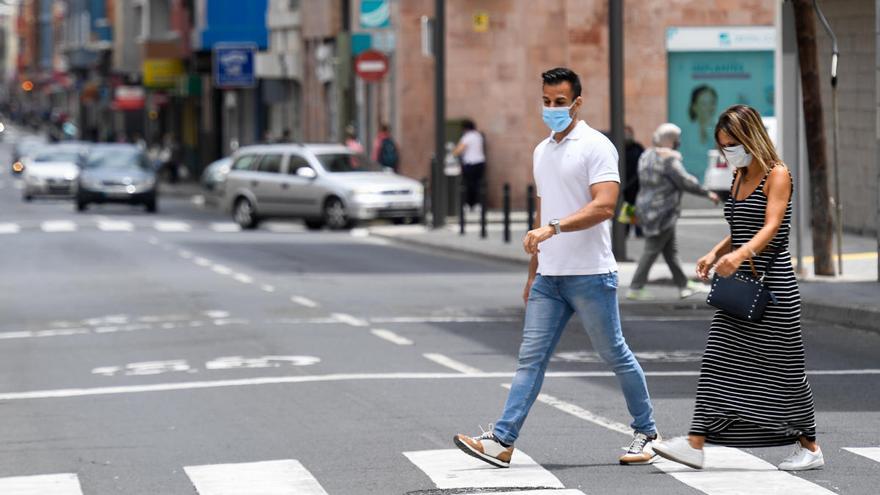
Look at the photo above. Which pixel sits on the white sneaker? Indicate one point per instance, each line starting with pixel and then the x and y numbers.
pixel 640 450
pixel 485 447
pixel 679 450
pixel 692 288
pixel 802 459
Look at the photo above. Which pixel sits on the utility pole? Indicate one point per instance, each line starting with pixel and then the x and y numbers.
pixel 438 178
pixel 615 70
pixel 821 223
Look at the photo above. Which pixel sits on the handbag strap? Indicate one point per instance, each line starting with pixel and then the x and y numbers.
pixel 739 180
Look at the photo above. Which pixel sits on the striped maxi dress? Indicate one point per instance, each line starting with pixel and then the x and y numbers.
pixel 753 389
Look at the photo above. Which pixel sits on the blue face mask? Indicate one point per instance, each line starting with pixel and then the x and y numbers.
pixel 557 118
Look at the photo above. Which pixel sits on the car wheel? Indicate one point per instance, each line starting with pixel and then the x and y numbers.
pixel 314 224
pixel 151 206
pixel 334 214
pixel 245 214
pixel 81 205
pixel 399 220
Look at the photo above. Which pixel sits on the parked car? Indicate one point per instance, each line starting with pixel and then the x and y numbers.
pixel 214 175
pixel 52 171
pixel 25 146
pixel 117 173
pixel 323 184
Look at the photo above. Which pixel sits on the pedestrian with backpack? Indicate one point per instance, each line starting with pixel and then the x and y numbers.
pixel 385 149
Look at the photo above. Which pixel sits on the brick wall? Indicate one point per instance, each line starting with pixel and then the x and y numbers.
pixel 853 23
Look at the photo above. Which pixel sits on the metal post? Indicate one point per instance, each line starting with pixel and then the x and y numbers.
pixel 836 202
pixel 438 185
pixel 461 218
pixel 506 205
pixel 426 204
pixel 615 70
pixel 484 232
pixel 530 202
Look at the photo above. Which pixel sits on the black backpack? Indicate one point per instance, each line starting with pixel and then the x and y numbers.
pixel 388 153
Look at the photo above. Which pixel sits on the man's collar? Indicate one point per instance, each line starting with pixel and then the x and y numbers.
pixel 576 132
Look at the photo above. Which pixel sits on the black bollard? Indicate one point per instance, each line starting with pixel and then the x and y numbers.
pixel 426 207
pixel 461 204
pixel 484 233
pixel 530 201
pixel 506 205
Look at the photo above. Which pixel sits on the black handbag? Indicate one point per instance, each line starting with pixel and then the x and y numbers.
pixel 742 295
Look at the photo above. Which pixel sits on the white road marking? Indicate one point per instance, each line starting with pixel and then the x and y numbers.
pixel 47 484
pixel 872 453
pixel 284 228
pixel 581 413
pixel 202 261
pixel 642 357
pixel 449 468
pixel 267 288
pixel 243 278
pixel 216 313
pixel 443 319
pixel 359 232
pixel 275 380
pixel 304 301
pixel 391 336
pixel 183 253
pixel 283 477
pixel 233 362
pixel 529 492
pixel 451 363
pixel 349 320
pixel 171 226
pixel 225 227
pixel 58 226
pixel 9 228
pixel 222 269
pixel 144 368
pixel 115 226
pixel 730 471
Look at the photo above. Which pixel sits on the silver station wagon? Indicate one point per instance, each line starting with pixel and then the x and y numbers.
pixel 323 184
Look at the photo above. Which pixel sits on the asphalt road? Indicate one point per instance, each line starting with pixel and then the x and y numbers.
pixel 167 354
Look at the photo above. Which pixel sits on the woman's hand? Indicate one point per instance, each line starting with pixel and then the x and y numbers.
pixel 729 264
pixel 704 264
pixel 526 291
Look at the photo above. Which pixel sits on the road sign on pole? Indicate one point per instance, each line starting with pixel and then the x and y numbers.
pixel 371 65
pixel 234 65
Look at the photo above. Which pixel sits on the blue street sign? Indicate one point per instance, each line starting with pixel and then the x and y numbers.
pixel 235 65
pixel 375 14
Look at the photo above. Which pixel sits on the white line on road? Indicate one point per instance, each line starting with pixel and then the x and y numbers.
pixel 275 380
pixel 58 226
pixel 202 261
pixel 730 471
pixel 451 363
pixel 391 336
pixel 872 453
pixel 183 253
pixel 171 226
pixel 243 278
pixel 222 269
pixel 443 319
pixel 9 228
pixel 47 484
pixel 225 227
pixel 581 413
pixel 283 477
pixel 267 288
pixel 304 301
pixel 349 320
pixel 115 226
pixel 449 468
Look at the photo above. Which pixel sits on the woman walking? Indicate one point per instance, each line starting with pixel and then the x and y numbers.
pixel 662 179
pixel 753 389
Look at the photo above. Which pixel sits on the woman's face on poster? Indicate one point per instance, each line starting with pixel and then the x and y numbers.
pixel 705 106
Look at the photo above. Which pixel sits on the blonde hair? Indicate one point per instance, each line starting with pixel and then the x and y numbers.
pixel 743 123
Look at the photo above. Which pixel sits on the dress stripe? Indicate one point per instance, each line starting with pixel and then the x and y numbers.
pixel 753 389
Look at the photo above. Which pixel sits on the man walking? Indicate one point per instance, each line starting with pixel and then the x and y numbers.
pixel 572 270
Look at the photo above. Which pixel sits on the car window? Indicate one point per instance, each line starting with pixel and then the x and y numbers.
pixel 347 162
pixel 57 156
pixel 297 162
pixel 270 163
pixel 245 162
pixel 115 158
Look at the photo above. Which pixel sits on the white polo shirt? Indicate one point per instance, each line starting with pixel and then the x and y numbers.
pixel 564 172
pixel 473 148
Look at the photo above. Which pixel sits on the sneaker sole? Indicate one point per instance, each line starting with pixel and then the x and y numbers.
pixel 806 468
pixel 673 458
pixel 479 455
pixel 624 462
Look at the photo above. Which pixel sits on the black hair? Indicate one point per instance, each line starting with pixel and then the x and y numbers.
pixel 561 74
pixel 468 125
pixel 696 94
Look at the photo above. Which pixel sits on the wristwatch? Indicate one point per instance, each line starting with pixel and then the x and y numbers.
pixel 555 224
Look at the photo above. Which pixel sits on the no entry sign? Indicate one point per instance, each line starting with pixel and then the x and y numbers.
pixel 371 66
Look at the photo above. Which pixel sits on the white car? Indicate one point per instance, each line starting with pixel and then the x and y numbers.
pixel 52 171
pixel 323 184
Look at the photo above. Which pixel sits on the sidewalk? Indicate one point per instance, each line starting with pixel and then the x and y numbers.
pixel 851 300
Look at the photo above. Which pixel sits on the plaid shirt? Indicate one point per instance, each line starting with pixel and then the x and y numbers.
pixel 662 179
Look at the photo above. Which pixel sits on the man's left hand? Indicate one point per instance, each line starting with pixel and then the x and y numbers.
pixel 535 237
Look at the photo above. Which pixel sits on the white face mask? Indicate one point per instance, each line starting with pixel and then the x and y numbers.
pixel 737 156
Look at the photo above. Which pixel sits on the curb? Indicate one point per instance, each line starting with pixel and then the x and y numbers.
pixel 864 318
pixel 452 249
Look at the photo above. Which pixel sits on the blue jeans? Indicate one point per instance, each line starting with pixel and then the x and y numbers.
pixel 552 301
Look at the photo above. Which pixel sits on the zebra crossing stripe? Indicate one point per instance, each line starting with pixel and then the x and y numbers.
pixel 530 492
pixel 9 228
pixel 451 468
pixel 171 226
pixel 115 226
pixel 730 471
pixel 225 227
pixel 282 477
pixel 47 484
pixel 58 226
pixel 872 453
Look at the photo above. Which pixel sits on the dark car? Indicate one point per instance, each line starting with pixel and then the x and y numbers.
pixel 117 173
